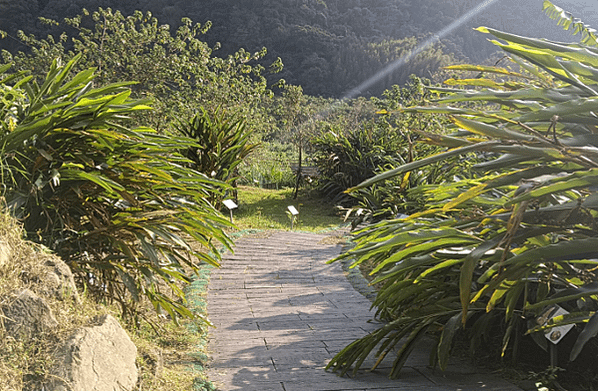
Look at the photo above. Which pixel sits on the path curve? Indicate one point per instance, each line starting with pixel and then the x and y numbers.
pixel 281 313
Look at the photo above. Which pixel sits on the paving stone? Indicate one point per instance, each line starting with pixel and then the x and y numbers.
pixel 314 358
pixel 238 339
pixel 222 351
pixel 248 378
pixel 242 361
pixel 282 313
pixel 323 316
pixel 466 380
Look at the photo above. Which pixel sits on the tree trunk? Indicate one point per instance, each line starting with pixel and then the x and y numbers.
pixel 298 170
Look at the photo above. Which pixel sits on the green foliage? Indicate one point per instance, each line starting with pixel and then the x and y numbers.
pixel 269 165
pixel 346 158
pixel 119 205
pixel 222 144
pixel 326 49
pixel 175 69
pixel 504 245
pixel 299 119
pixel 566 19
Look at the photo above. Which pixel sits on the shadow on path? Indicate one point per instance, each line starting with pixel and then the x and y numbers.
pixel 281 313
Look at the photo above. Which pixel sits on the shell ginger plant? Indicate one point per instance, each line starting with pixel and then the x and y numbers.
pixel 493 253
pixel 119 205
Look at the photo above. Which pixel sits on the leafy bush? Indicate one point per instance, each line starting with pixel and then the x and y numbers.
pixel 348 157
pixel 119 205
pixel 344 160
pixel 222 144
pixel 504 247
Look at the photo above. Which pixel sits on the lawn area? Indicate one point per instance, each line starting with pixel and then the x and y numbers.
pixel 267 209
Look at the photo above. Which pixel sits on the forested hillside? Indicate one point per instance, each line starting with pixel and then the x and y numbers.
pixel 327 46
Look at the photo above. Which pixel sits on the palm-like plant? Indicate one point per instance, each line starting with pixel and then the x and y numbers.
pixel 516 239
pixel 222 144
pixel 120 206
pixel 344 160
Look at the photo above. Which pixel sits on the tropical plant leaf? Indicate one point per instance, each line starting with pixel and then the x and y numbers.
pixel 121 205
pixel 446 340
pixel 528 213
pixel 589 331
pixel 568 22
pixel 421 163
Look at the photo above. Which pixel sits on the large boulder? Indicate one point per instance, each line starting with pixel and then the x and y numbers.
pixel 97 358
pixel 27 316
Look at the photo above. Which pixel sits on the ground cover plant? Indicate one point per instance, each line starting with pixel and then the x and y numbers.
pixel 492 253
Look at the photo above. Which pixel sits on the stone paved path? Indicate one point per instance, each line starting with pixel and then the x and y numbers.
pixel 281 313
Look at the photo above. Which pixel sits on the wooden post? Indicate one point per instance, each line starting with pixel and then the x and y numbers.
pixel 298 168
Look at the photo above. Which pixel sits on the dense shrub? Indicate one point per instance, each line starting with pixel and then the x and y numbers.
pixel 347 156
pixel 506 246
pixel 119 205
pixel 222 144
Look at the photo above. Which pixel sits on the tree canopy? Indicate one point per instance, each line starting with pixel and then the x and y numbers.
pixel 327 46
pixel 176 69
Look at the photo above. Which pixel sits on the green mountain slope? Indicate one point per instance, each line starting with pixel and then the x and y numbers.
pixel 329 46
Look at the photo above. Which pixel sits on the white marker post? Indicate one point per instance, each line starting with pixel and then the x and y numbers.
pixel 554 334
pixel 294 213
pixel 230 204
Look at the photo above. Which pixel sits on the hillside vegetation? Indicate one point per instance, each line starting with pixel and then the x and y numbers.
pixel 328 47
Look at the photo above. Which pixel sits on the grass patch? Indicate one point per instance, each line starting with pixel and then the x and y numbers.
pixel 267 209
pixel 171 360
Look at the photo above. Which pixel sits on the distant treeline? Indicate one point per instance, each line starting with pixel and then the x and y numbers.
pixel 327 46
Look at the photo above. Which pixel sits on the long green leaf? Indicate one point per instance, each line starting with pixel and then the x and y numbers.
pixel 440 241
pixel 574 52
pixel 589 331
pixel 568 22
pixel 424 162
pixel 446 340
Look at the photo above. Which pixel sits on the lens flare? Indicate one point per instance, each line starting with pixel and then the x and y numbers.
pixel 402 60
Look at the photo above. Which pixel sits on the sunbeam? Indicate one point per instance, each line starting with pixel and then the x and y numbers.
pixel 402 60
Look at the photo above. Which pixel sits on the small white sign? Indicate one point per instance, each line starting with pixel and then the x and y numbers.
pixel 230 204
pixel 554 334
pixel 293 211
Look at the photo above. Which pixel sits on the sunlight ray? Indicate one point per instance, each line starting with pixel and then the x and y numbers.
pixel 421 47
